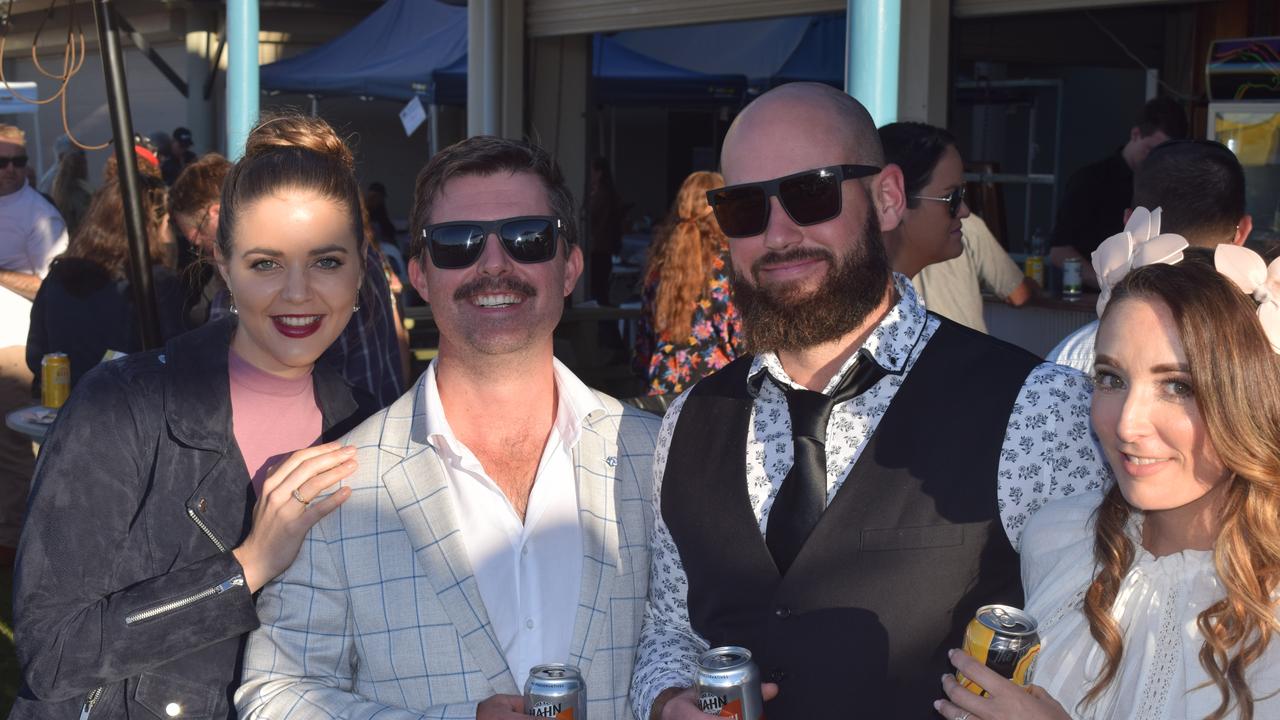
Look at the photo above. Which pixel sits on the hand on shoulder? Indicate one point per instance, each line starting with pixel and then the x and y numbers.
pixel 289 506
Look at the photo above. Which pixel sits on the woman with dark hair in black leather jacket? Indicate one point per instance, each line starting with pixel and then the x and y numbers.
pixel 166 494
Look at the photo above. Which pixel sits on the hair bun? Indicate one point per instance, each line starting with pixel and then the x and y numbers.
pixel 292 130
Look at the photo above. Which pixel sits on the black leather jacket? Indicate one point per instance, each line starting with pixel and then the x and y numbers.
pixel 127 597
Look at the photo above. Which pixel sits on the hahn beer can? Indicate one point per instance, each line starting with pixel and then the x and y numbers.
pixel 728 684
pixel 1004 639
pixel 555 691
pixel 55 379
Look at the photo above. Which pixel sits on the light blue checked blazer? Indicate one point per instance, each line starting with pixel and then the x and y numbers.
pixel 381 615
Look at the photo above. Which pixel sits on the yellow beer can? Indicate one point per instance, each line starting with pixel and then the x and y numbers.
pixel 1004 639
pixel 1035 269
pixel 55 379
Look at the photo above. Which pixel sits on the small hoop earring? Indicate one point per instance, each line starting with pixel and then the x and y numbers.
pixel 234 310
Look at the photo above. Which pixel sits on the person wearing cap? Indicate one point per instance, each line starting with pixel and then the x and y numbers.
pixel 176 154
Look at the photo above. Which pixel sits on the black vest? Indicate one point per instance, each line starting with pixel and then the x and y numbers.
pixel 910 546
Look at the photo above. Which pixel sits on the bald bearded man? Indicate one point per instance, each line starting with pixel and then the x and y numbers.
pixel 842 502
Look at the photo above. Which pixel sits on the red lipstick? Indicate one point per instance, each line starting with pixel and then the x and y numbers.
pixel 296 326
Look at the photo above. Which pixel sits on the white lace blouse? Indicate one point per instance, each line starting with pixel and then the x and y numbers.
pixel 1160 676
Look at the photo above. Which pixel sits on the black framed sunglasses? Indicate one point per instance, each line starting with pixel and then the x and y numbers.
pixel 19 161
pixel 808 197
pixel 953 200
pixel 526 239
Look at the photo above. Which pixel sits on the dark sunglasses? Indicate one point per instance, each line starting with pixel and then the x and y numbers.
pixel 809 197
pixel 528 239
pixel 953 200
pixel 19 161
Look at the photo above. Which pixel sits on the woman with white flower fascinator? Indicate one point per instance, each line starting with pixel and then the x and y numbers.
pixel 1159 598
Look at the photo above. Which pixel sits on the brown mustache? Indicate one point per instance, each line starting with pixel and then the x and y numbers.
pixel 774 257
pixel 486 285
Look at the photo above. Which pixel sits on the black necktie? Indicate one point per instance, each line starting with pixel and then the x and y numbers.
pixel 803 495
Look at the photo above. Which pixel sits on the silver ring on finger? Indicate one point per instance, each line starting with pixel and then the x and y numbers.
pixel 298 496
pixel 964 716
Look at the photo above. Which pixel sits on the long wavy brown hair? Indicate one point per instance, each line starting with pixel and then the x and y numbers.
pixel 1235 378
pixel 684 251
pixel 102 237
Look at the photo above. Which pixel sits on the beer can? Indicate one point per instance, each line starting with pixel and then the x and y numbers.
pixel 728 684
pixel 55 379
pixel 1006 640
pixel 555 690
pixel 1035 269
pixel 1072 277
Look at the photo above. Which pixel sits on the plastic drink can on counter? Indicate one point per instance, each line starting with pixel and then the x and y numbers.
pixel 1004 639
pixel 555 691
pixel 1072 278
pixel 728 684
pixel 1035 269
pixel 55 379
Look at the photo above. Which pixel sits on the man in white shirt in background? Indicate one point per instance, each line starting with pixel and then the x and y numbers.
pixel 31 235
pixel 953 288
pixel 1198 185
pixel 500 513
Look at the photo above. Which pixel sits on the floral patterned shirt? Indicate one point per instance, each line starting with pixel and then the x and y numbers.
pixel 675 364
pixel 1048 452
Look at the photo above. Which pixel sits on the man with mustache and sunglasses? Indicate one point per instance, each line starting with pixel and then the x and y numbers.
pixel 841 502
pixel 500 510
pixel 32 234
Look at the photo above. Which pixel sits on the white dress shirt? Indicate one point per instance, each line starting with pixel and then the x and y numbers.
pixel 529 573
pixel 1048 451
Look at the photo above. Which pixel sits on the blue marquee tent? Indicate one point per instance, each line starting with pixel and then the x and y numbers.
pixel 626 77
pixel 392 53
pixel 819 56
pixel 769 52
pixel 419 47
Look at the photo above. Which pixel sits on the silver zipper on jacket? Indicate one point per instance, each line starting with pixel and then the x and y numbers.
pixel 89 702
pixel 225 585
pixel 205 529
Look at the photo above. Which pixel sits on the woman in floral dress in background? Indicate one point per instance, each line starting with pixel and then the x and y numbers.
pixel 689 327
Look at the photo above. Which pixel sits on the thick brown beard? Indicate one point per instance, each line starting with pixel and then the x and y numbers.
pixel 776 320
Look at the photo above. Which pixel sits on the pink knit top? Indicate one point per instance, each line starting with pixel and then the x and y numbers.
pixel 271 416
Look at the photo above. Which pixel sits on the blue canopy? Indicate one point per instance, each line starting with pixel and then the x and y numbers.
pixel 419 47
pixel 392 53
pixel 819 56
pixel 626 77
pixel 769 52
